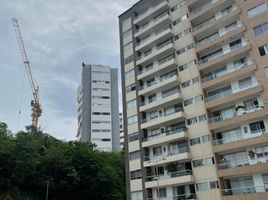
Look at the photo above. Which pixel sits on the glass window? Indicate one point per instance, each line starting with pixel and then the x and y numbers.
pixel 205 138
pixel 188 102
pixel 192 121
pixel 245 83
pixel 133 137
pixel 201 186
pixel 195 141
pixel 202 118
pixel 162 192
pixel 134 155
pixel 256 127
pixel 137 195
pixel 185 84
pixel 130 88
pixel 129 73
pixel 154 115
pixel 198 98
pixel 213 184
pixel 132 120
pixel 198 163
pixel 257 10
pixel 263 50
pixel 195 80
pixel 157 151
pixel 131 104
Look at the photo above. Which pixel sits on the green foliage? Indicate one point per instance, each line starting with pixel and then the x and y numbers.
pixel 74 170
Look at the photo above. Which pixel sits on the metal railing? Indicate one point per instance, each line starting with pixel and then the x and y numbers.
pixel 238 137
pixel 157 81
pixel 235 114
pixel 245 190
pixel 202 7
pixel 241 163
pixel 231 91
pixel 169 175
pixel 228 71
pixel 166 133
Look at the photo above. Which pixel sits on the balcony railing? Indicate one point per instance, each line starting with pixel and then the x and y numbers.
pixel 177 91
pixel 169 175
pixel 151 23
pixel 202 7
pixel 227 71
pixel 209 21
pixel 177 197
pixel 238 137
pixel 150 9
pixel 245 190
pixel 241 163
pixel 164 155
pixel 231 91
pixel 164 134
pixel 217 35
pixel 235 114
pixel 157 81
pixel 222 52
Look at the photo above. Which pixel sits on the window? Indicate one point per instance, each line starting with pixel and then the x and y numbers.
pixel 129 73
pixel 185 84
pixel 256 127
pixel 202 118
pixel 192 120
pixel 197 163
pixel 188 102
pixel 133 137
pixel 131 104
pixel 135 174
pixel 187 65
pixel 262 28
pixel 129 59
pixel 190 46
pixel 126 23
pixel 182 18
pixel 257 10
pixel 195 141
pixel 180 51
pixel 128 46
pixel 195 80
pixel 198 98
pixel 134 155
pixel 152 98
pixel 263 50
pixel 130 88
pixel 127 33
pixel 262 151
pixel 137 195
pixel 205 138
pixel 213 184
pixel 162 193
pixel 201 186
pixel 245 83
pixel 132 120
pixel 154 115
pixel 106 140
pixel 157 151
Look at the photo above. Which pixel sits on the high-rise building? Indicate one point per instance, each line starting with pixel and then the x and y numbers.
pixel 98 107
pixel 195 94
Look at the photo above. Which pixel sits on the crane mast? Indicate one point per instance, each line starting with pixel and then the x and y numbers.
pixel 35 104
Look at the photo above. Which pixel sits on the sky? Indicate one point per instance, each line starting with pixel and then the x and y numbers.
pixel 59 36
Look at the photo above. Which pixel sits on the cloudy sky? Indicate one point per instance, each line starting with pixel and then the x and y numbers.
pixel 59 36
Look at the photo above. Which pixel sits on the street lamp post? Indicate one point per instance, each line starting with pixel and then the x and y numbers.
pixel 50 179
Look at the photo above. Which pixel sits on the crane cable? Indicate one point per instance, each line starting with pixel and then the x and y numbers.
pixel 21 101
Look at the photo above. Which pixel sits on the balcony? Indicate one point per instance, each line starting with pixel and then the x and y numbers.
pixel 155 37
pixel 154 9
pixel 164 83
pixel 221 122
pixel 189 196
pixel 175 116
pixel 160 66
pixel 218 20
pixel 241 141
pixel 156 51
pixel 161 19
pixel 178 154
pixel 174 178
pixel 163 100
pixel 232 95
pixel 223 56
pixel 230 73
pixel 165 137
pixel 242 167
pixel 220 37
pixel 248 193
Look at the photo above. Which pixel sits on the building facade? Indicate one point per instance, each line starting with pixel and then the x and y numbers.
pixel 98 107
pixel 195 94
pixel 121 126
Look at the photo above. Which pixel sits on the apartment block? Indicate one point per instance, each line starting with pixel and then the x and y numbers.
pixel 195 94
pixel 98 107
pixel 122 134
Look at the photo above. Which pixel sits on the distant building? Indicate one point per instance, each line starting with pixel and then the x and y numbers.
pixel 98 114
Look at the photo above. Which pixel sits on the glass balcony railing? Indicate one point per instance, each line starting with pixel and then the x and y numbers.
pixel 164 134
pixel 164 155
pixel 241 163
pixel 231 91
pixel 157 81
pixel 245 190
pixel 239 136
pixel 212 19
pixel 235 114
pixel 168 175
pixel 221 53
pixel 227 71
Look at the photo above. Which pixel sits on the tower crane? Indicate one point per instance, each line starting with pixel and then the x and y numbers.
pixel 35 104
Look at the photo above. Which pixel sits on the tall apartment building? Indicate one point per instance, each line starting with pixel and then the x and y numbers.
pixel 98 107
pixel 195 94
